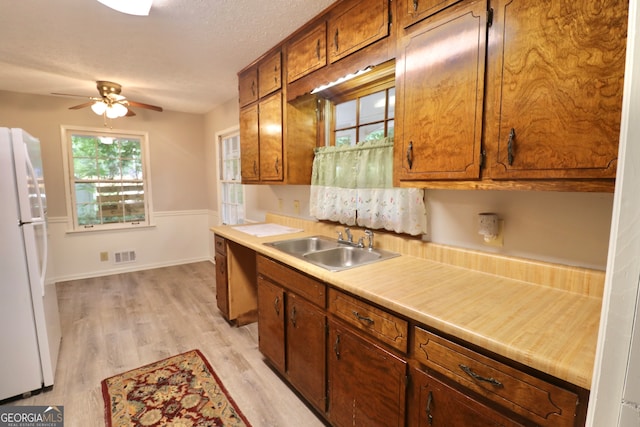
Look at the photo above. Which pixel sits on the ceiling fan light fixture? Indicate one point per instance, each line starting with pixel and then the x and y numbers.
pixel 99 107
pixel 116 110
pixel 130 7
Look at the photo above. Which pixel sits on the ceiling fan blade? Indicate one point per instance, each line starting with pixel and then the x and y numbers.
pixel 77 107
pixel 142 105
pixel 130 113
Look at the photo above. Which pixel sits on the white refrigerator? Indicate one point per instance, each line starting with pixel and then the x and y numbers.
pixel 29 320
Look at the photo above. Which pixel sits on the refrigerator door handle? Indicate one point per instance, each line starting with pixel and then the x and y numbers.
pixel 45 249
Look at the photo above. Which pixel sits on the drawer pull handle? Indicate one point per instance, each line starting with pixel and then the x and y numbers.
pixel 428 408
pixel 510 143
pixel 477 377
pixel 276 305
pixel 293 316
pixel 336 347
pixel 362 318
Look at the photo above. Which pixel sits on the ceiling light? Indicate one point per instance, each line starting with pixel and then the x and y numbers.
pixel 131 7
pixel 99 107
pixel 342 79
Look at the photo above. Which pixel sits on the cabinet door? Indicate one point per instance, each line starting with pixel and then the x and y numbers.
pixel 306 350
pixel 270 120
pixel 270 74
pixel 307 53
pixel 433 403
pixel 222 285
pixel 355 25
pixel 271 314
pixel 249 144
pixel 366 382
pixel 558 81
pixel 440 88
pixel 248 86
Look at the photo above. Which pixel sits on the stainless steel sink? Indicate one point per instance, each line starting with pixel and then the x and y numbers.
pixel 330 254
pixel 304 244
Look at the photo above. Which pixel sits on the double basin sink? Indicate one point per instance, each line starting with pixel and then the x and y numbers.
pixel 330 254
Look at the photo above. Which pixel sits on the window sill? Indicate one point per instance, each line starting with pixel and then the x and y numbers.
pixel 110 229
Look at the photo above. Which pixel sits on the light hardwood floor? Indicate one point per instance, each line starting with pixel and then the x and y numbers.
pixel 116 323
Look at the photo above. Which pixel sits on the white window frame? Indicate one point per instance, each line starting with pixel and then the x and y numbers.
pixel 72 217
pixel 220 137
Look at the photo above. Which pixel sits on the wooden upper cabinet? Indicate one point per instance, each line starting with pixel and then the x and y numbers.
pixel 270 137
pixel 439 99
pixel 356 24
pixel 270 74
pixel 307 52
pixel 412 11
pixel 249 144
pixel 556 88
pixel 248 86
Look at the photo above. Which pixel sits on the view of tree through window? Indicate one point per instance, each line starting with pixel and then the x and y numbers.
pixel 365 118
pixel 107 179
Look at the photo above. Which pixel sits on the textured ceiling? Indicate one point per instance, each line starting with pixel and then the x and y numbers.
pixel 184 56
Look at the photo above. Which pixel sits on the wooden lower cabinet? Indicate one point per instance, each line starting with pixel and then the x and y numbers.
pixel 434 403
pixel 292 336
pixel 367 384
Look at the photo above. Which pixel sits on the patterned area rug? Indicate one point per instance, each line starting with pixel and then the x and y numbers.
pixel 182 390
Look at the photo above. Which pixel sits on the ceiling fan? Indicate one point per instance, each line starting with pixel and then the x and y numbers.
pixel 110 102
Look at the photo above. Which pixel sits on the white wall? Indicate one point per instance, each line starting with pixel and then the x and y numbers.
pixel 177 163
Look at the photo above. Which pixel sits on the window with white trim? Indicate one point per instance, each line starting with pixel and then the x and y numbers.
pixel 106 172
pixel 231 189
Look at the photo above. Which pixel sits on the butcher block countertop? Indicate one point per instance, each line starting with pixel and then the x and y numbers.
pixel 542 315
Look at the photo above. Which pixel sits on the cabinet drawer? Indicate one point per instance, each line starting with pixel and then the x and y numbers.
pixel 293 280
pixel 220 244
pixel 386 327
pixel 537 400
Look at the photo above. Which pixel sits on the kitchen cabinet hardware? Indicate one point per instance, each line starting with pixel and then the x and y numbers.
pixel 255 167
pixel 276 166
pixel 430 398
pixel 362 318
pixel 318 49
pixel 410 155
pixel 415 5
pixel 276 305
pixel 475 376
pixel 336 347
pixel 335 40
pixel 293 316
pixel 512 139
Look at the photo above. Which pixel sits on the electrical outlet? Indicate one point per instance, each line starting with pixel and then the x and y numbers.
pixel 296 207
pixel 104 256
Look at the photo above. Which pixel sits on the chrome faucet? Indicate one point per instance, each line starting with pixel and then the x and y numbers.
pixel 349 240
pixel 369 235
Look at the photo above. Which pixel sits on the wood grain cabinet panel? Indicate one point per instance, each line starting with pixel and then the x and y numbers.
pixel 366 382
pixel 248 86
pixel 270 74
pixel 270 138
pixel 380 324
pixel 356 24
pixel 539 401
pixel 412 11
pixel 271 323
pixel 249 144
pixel 440 91
pixel 433 403
pixel 307 53
pixel 558 71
